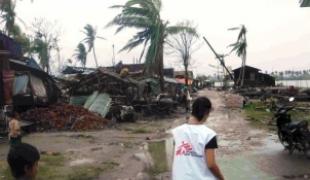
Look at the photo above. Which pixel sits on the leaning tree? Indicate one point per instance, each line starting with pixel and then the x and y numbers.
pixel 153 31
pixel 240 47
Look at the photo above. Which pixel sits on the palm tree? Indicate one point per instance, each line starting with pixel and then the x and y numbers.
pixel 81 54
pixel 240 47
pixel 153 31
pixel 8 16
pixel 91 35
pixel 42 49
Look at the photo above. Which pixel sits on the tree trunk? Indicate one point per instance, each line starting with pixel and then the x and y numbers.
pixel 243 70
pixel 95 57
pixel 161 66
pixel 186 85
pixel 186 75
pixel 239 76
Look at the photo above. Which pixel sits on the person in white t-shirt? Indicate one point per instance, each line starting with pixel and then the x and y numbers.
pixel 195 144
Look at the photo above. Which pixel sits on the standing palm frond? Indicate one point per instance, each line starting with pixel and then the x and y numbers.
pixel 81 54
pixel 91 35
pixel 240 47
pixel 145 16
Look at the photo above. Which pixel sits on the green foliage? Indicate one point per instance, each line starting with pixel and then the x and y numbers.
pixel 81 54
pixel 240 47
pixel 256 112
pixel 91 35
pixel 42 49
pixel 45 41
pixel 8 15
pixel 145 16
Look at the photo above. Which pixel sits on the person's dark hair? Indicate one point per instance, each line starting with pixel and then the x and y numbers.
pixel 20 156
pixel 201 107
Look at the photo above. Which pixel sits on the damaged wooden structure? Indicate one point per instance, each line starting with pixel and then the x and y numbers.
pixel 254 78
pixel 23 83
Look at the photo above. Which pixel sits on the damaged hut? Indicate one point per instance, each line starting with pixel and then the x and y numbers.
pixel 23 83
pixel 254 78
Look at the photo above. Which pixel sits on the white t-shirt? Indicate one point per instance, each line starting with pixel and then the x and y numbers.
pixel 189 153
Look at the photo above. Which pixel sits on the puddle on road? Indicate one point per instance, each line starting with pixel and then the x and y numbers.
pixel 271 145
pixel 241 168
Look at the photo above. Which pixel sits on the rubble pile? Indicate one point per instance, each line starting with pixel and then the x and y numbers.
pixel 64 117
pixel 233 101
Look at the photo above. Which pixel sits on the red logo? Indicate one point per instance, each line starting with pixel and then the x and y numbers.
pixel 184 148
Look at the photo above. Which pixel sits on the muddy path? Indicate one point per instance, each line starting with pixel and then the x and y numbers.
pixel 246 152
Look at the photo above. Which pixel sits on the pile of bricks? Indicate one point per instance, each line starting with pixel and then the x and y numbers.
pixel 63 117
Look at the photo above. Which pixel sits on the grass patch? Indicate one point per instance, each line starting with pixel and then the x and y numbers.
pixel 256 112
pixel 52 167
pixel 158 153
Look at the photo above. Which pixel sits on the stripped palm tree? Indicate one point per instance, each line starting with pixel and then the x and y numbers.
pixel 183 45
pixel 91 36
pixel 240 47
pixel 81 54
pixel 145 16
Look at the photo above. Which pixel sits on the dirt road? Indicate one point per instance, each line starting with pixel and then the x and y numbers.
pixel 249 153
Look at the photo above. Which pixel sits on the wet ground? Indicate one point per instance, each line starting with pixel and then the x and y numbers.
pixel 245 152
pixel 249 153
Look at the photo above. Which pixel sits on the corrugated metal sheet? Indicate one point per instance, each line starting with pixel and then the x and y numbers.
pixel 38 86
pixel 101 105
pixel 78 100
pixel 90 100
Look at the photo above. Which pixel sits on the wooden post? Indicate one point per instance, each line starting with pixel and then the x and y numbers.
pixel 5 67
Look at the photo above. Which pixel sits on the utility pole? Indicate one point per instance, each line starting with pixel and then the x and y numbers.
pixel 220 58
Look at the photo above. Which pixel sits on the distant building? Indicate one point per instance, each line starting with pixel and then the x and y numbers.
pixel 304 3
pixel 181 74
pixel 254 78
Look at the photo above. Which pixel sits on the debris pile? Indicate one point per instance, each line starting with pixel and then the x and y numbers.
pixel 63 117
pixel 234 101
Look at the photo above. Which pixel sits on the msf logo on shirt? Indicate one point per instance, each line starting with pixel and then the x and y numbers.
pixel 184 149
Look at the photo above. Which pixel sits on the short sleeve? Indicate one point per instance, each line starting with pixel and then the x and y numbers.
pixel 212 144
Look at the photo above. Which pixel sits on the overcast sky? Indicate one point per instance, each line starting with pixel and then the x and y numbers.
pixel 278 30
